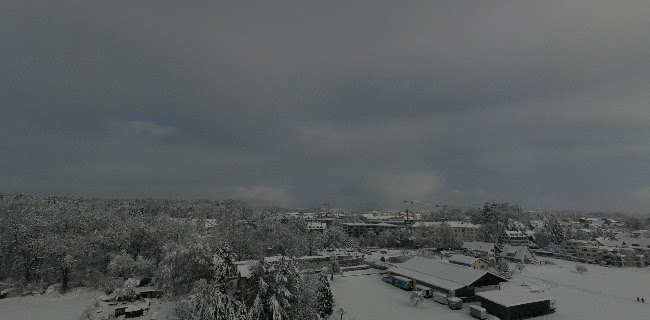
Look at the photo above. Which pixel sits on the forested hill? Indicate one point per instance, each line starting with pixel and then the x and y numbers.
pixel 201 209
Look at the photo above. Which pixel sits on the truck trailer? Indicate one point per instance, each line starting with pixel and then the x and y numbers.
pixel 455 303
pixel 478 312
pixel 439 297
pixel 426 291
pixel 401 282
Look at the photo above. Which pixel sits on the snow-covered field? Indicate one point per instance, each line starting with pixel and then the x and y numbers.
pixel 600 293
pixel 62 307
pixel 46 307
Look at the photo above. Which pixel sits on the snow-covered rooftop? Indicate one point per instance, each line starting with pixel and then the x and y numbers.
pixel 460 258
pixel 513 296
pixel 439 273
pixel 516 252
pixel 478 246
pixel 453 224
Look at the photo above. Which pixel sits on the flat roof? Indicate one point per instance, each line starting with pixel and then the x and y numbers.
pixel 513 297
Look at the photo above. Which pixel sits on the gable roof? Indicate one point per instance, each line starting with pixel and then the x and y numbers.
pixel 514 252
pixel 439 273
pixel 463 259
pixel 513 296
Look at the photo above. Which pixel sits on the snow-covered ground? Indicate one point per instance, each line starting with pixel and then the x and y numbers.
pixel 63 307
pixel 600 293
pixel 52 306
pixel 366 297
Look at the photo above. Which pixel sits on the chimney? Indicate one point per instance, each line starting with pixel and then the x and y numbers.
pixel 269 252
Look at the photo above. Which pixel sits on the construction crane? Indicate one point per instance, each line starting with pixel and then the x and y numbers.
pixel 328 209
pixel 412 208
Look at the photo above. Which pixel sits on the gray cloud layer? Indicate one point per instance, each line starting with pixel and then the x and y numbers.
pixel 361 104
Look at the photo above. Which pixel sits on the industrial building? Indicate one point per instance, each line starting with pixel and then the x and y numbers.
pixel 451 279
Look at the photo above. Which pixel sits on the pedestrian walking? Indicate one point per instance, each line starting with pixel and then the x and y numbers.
pixel 642 300
pixel 637 299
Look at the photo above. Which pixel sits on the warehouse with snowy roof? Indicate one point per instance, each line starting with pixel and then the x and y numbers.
pixel 514 304
pixel 451 279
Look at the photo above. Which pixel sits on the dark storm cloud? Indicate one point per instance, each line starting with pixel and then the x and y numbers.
pixel 361 104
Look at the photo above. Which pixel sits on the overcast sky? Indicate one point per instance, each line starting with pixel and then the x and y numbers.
pixel 362 104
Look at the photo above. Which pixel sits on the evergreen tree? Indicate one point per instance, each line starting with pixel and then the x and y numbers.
pixel 223 265
pixel 209 303
pixel 325 299
pixel 558 234
pixel 271 291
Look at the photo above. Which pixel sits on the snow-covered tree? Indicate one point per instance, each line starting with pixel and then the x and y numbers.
pixel 126 291
pixel 504 268
pixel 144 267
pixel 207 302
pixel 557 232
pixel 334 267
pixel 446 238
pixel 416 297
pixel 184 263
pixel 223 265
pixel 581 268
pixel 324 297
pixel 121 264
pixel 543 237
pixel 271 290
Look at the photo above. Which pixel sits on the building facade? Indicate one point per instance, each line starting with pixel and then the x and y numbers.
pixel 515 238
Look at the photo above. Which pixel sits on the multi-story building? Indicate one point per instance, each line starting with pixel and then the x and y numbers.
pixel 641 247
pixel 316 226
pixel 618 257
pixel 514 238
pixel 596 253
pixel 572 246
pixel 463 231
pixel 361 229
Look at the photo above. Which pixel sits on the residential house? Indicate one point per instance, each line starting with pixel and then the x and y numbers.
pixel 483 250
pixel 520 254
pixel 468 261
